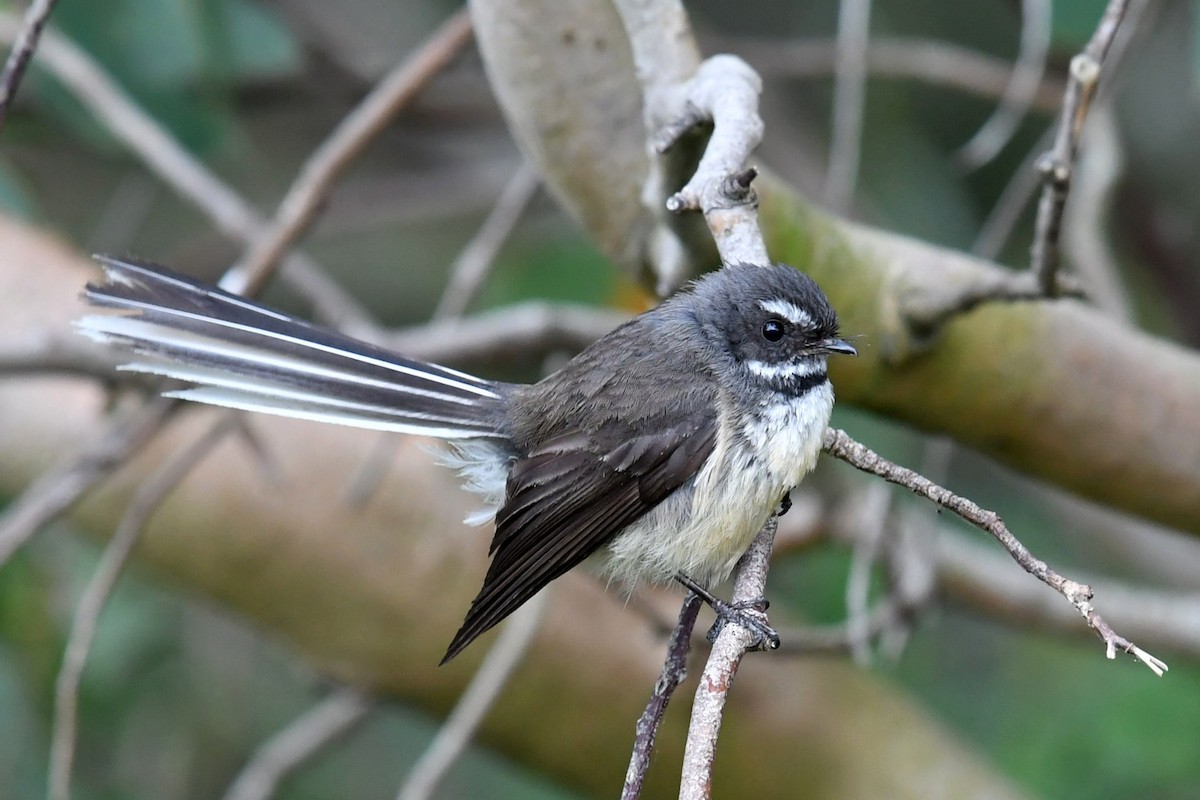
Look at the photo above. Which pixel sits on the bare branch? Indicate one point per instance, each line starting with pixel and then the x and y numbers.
pixel 972 574
pixel 732 643
pixel 979 578
pixel 674 672
pixel 292 747
pixel 926 314
pixel 1057 165
pixel 839 445
pixel 474 704
pixel 874 524
pixel 300 205
pixel 1007 211
pixel 1053 170
pixel 145 502
pixel 474 261
pixel 24 45
pixel 849 99
pixel 725 90
pixel 57 489
pixel 55 351
pixel 926 60
pixel 526 330
pixel 179 169
pixel 1022 87
pixel 680 92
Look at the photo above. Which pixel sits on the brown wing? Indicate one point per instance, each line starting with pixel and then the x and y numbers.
pixel 565 500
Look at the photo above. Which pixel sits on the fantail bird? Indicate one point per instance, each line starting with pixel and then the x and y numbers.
pixel 660 450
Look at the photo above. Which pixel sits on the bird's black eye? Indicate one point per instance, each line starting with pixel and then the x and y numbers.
pixel 773 330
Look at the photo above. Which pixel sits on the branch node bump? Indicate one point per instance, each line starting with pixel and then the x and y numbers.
pixel 1086 70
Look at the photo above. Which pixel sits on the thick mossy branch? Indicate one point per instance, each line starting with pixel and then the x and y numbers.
pixel 1053 388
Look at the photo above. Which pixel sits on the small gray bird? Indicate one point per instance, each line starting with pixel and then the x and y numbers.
pixel 659 451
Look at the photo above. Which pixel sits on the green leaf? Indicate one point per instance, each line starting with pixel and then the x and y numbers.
pixel 1075 22
pixel 146 44
pixel 180 59
pixel 254 42
pixel 15 197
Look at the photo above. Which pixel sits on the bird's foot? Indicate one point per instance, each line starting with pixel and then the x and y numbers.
pixel 785 504
pixel 750 615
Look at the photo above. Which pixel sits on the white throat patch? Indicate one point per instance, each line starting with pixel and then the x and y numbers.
pixel 786 370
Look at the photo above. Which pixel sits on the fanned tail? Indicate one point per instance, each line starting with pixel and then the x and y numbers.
pixel 246 356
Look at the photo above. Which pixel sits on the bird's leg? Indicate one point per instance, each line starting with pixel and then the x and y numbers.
pixel 765 637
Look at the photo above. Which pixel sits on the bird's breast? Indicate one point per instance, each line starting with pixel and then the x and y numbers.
pixel 785 432
pixel 705 527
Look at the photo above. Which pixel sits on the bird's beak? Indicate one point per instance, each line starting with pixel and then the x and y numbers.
pixel 840 346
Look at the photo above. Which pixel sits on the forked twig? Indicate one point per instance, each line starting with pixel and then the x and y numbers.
pixel 294 745
pixel 300 205
pixel 1056 166
pixel 146 500
pixel 491 677
pixel 61 486
pixel 674 671
pixel 840 445
pixel 849 104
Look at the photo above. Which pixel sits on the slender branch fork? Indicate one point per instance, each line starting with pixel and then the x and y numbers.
pixel 1054 170
pixel 1057 165
pixel 145 502
pixel 674 672
pixel 840 445
pixel 23 47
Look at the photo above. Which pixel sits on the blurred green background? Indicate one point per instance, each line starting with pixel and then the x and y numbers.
pixel 178 693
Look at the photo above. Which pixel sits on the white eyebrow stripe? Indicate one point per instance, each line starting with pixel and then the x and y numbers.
pixel 228 398
pixel 788 310
pixel 792 369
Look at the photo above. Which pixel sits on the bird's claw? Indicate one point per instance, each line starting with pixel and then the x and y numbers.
pixel 749 615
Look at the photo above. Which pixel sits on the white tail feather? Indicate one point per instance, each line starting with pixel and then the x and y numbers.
pixel 244 401
pixel 137 329
pixel 236 383
pixel 115 330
